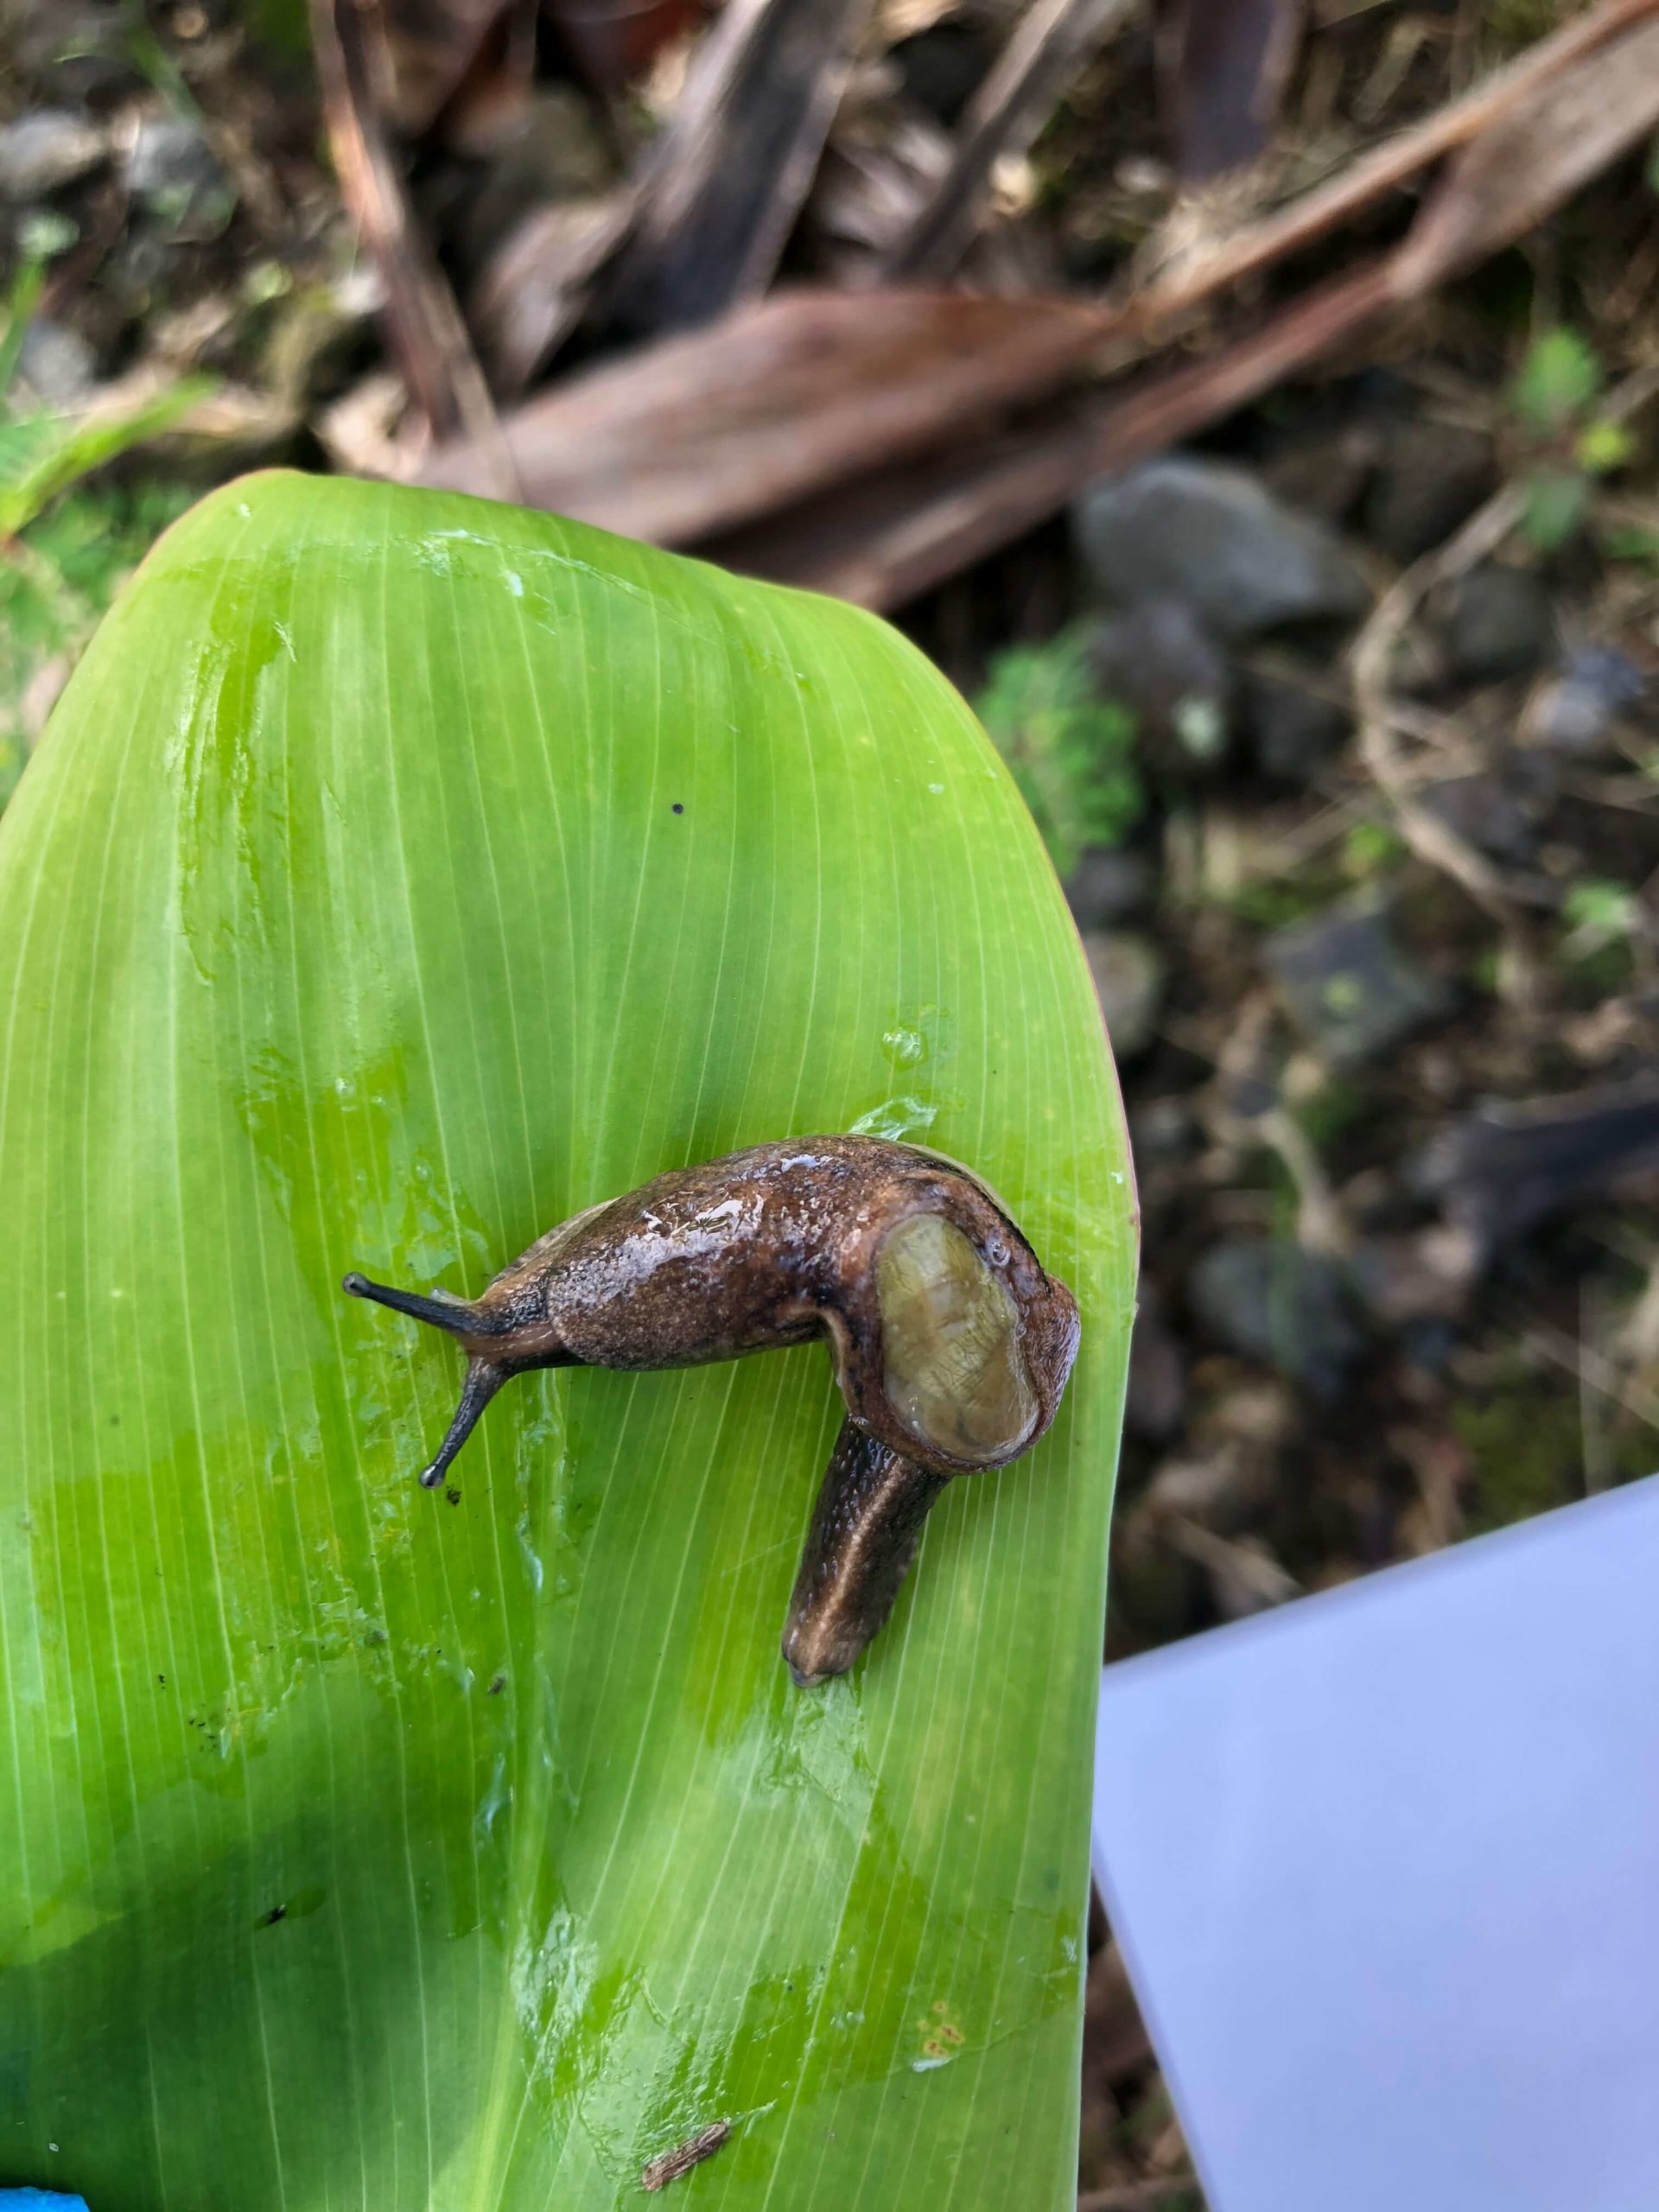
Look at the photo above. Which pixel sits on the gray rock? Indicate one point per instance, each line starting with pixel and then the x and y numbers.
pixel 1129 973
pixel 175 175
pixel 1499 622
pixel 1158 659
pixel 83 48
pixel 1580 708
pixel 43 151
pixel 1432 477
pixel 1499 810
pixel 1323 472
pixel 1347 984
pixel 56 362
pixel 1271 1301
pixel 1199 531
pixel 1294 732
pixel 1428 1274
pixel 1107 886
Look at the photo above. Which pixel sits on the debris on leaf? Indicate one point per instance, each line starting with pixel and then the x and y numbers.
pixel 672 2165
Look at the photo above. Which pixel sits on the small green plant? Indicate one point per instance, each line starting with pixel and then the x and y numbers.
pixel 1633 542
pixel 1369 848
pixel 1485 970
pixel 1072 750
pixel 1598 912
pixel 1568 445
pixel 66 544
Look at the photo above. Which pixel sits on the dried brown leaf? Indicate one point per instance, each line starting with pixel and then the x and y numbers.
pixel 423 326
pixel 613 42
pixel 539 280
pixel 1536 156
pixel 1315 214
pixel 1049 44
pixel 732 170
pixel 430 45
pixel 698 433
pixel 1224 64
pixel 889 536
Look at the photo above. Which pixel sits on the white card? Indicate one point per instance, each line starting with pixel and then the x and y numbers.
pixel 1384 1866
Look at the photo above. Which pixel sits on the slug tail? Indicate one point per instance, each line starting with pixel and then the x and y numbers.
pixel 865 1529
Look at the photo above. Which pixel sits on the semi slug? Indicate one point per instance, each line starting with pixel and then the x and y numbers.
pixel 951 1345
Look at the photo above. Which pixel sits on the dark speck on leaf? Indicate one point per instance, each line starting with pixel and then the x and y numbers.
pixel 678 809
pixel 453 1495
pixel 498 1686
pixel 269 1919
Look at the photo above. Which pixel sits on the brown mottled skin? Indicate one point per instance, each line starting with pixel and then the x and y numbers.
pixel 765 1248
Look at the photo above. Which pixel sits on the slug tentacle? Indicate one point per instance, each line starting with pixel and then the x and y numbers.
pixel 951 1345
pixel 483 1380
pixel 458 1315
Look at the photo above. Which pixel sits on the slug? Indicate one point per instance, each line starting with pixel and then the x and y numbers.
pixel 951 1345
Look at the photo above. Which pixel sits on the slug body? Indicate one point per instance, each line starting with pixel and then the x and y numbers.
pixel 951 1345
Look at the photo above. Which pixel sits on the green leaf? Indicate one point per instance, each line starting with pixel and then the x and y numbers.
pixel 58 576
pixel 1637 543
pixel 22 297
pixel 363 1849
pixel 1597 911
pixel 41 455
pixel 1556 503
pixel 1603 446
pixel 1558 379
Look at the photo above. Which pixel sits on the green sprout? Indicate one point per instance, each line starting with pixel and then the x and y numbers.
pixel 1552 399
pixel 66 541
pixel 1072 750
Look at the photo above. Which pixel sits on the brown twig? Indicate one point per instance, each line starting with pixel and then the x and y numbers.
pixel 1434 841
pixel 1005 115
pixel 781 399
pixel 1222 67
pixel 1536 156
pixel 1592 1371
pixel 1305 220
pixel 720 197
pixel 427 335
pixel 898 536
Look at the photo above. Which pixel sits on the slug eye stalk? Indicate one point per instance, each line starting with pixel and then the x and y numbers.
pixel 952 1347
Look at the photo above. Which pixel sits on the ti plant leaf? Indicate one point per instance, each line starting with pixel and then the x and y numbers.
pixel 399 875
